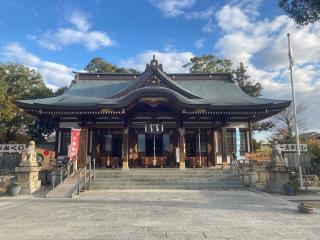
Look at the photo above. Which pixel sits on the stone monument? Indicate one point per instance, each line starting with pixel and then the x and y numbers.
pixel 278 172
pixel 27 173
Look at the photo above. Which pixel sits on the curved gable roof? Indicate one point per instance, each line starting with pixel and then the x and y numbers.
pixel 200 90
pixel 154 76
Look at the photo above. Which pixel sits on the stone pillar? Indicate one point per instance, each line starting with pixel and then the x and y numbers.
pixel 27 173
pixel 224 145
pixel 28 178
pixel 182 148
pixel 125 162
pixel 278 172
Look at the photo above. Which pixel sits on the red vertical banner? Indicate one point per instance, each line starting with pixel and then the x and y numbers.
pixel 75 141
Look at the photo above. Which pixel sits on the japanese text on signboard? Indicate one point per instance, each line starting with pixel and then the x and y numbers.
pixel 12 148
pixel 74 145
pixel 292 147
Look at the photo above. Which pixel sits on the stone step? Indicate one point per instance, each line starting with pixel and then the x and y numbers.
pixel 172 185
pixel 167 186
pixel 161 173
pixel 168 182
pixel 155 178
pixel 169 177
pixel 111 180
pixel 120 173
pixel 161 170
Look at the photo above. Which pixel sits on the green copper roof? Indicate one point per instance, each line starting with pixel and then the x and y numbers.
pixel 223 92
pixel 118 90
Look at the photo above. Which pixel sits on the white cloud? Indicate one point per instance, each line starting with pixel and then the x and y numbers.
pixel 305 46
pixel 172 8
pixel 204 14
pixel 79 33
pixel 199 43
pixel 238 46
pixel 80 20
pixel 172 61
pixel 262 45
pixel 232 18
pixel 31 37
pixel 209 26
pixel 14 52
pixel 249 7
pixel 175 8
pixel 55 75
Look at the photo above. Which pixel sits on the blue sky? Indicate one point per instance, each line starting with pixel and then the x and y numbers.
pixel 134 26
pixel 58 37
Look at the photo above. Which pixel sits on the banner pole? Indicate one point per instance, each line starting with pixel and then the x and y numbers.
pixel 294 110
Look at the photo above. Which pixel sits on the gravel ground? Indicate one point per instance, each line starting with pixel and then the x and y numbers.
pixel 156 214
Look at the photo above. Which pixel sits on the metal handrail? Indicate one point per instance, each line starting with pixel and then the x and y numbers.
pixel 64 170
pixel 91 175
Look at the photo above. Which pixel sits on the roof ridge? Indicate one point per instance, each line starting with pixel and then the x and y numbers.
pixel 147 75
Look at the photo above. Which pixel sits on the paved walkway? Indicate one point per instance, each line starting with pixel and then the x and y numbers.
pixel 155 214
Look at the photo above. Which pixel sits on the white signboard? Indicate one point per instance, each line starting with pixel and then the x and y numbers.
pixel 12 148
pixel 292 147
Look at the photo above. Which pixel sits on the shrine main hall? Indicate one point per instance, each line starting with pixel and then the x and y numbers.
pixel 155 119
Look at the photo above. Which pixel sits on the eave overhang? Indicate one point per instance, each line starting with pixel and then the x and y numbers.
pixel 155 87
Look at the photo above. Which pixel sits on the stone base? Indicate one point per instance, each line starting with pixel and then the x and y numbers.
pixel 276 180
pixel 28 178
pixel 28 189
pixel 125 166
pixel 182 166
pixel 5 183
pixel 248 179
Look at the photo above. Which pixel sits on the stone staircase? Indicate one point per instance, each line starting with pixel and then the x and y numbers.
pixel 155 178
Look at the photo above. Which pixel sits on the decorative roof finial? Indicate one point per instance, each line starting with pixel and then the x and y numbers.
pixel 154 64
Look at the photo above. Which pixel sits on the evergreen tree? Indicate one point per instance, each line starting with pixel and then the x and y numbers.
pixel 302 12
pixel 99 65
pixel 17 82
pixel 245 82
pixel 208 64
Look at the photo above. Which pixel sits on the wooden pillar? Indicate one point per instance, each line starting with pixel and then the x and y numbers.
pixel 58 136
pixel 125 159
pixel 83 148
pixel 250 137
pixel 182 148
pixel 90 141
pixel 58 141
pixel 224 145
pixel 213 148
